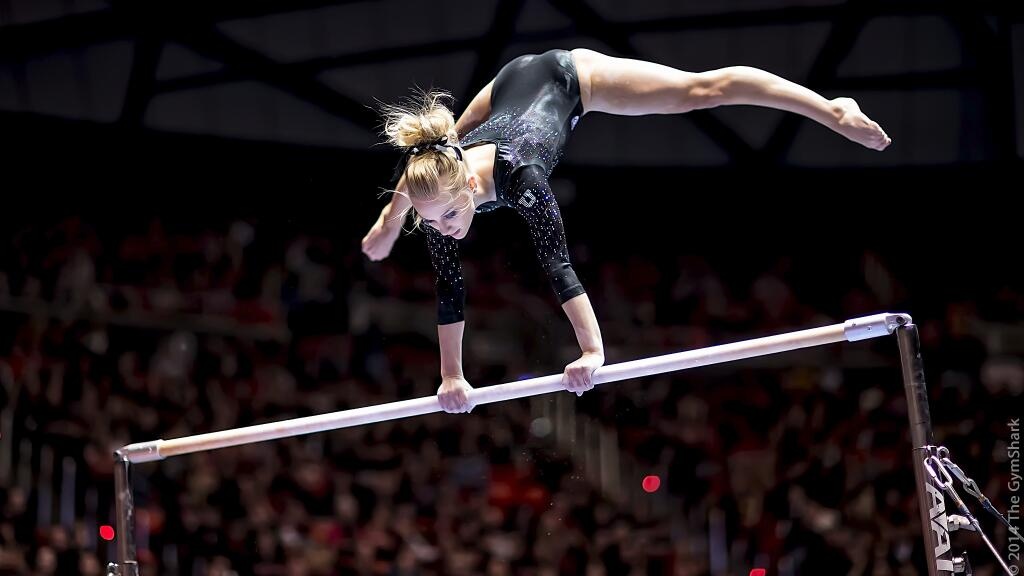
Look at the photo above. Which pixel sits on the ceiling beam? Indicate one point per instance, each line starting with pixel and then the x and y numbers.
pixel 214 44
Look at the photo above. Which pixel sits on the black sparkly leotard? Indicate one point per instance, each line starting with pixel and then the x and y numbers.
pixel 535 104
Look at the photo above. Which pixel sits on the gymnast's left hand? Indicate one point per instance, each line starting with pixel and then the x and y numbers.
pixel 579 376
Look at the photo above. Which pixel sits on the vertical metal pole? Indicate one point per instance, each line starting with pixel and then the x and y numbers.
pixel 938 551
pixel 124 508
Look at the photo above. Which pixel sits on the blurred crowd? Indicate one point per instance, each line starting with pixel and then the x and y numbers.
pixel 114 332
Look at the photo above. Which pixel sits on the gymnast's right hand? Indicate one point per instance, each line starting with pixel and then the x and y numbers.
pixel 381 238
pixel 453 395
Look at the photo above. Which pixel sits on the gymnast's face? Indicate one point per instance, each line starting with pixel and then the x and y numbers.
pixel 449 214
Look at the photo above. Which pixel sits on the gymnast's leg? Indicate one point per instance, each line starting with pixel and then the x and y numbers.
pixel 635 88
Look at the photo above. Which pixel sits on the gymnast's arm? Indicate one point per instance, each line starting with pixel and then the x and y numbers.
pixel 453 393
pixel 451 301
pixel 578 376
pixel 531 196
pixel 477 111
pixel 381 238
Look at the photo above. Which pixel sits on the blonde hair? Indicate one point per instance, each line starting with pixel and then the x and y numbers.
pixel 423 119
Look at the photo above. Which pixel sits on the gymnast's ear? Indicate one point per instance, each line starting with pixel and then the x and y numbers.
pixel 471 182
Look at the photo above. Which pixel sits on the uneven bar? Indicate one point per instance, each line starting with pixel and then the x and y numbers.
pixel 851 330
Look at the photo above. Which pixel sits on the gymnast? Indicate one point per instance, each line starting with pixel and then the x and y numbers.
pixel 513 134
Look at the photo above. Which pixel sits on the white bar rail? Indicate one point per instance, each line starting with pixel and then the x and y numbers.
pixel 851 330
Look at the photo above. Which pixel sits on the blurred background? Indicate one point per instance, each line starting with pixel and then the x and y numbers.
pixel 187 184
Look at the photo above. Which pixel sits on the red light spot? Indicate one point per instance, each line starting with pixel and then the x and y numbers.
pixel 651 483
pixel 106 532
pixel 758 572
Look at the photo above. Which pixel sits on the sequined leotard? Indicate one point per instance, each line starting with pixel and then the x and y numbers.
pixel 535 104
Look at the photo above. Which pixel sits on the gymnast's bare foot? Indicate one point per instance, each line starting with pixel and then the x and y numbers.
pixel 856 126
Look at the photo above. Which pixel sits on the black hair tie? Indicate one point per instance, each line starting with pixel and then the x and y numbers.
pixel 438 145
